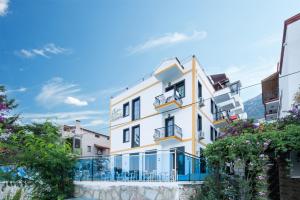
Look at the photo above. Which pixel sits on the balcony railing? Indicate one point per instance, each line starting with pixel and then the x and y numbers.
pixel 165 132
pixel 167 97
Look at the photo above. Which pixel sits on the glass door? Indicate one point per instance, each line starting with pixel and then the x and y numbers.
pixel 169 122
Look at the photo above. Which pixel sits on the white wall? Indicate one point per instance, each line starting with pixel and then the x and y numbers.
pixel 289 85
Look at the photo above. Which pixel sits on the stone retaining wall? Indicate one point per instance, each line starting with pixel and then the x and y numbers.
pixel 135 190
pixel 11 190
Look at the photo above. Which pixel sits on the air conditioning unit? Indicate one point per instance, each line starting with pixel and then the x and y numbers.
pixel 200 135
pixel 200 102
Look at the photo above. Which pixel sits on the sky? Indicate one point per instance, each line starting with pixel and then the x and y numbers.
pixel 62 60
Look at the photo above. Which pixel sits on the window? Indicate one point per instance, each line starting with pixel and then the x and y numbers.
pixel 126 135
pixel 89 149
pixel 212 106
pixel 216 111
pixel 126 109
pixel 211 133
pixel 202 162
pixel 150 160
pixel 136 109
pixel 118 164
pixel 178 87
pixel 134 159
pixel 199 123
pixel 135 141
pixel 216 134
pixel 77 143
pixel 199 90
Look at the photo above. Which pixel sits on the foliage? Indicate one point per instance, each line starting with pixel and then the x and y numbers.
pixel 47 161
pixel 241 160
pixel 297 97
pixel 38 150
pixel 7 119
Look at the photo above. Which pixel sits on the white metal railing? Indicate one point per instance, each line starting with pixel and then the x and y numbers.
pixel 167 97
pixel 168 131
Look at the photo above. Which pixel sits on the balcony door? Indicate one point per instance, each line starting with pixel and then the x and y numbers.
pixel 169 126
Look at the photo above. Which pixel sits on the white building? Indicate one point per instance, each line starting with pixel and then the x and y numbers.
pixel 86 142
pixel 178 107
pixel 289 63
pixel 279 93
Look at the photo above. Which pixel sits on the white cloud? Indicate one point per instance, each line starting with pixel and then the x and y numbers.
pixel 21 89
pixel 56 92
pixel 3 7
pixel 65 117
pixel 96 122
pixel 47 51
pixel 75 101
pixel 167 39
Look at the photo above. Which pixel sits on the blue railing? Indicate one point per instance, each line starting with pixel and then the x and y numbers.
pixel 170 165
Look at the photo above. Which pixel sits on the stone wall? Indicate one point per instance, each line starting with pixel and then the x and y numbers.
pixel 135 190
pixel 11 190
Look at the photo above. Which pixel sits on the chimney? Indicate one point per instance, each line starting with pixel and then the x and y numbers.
pixel 77 127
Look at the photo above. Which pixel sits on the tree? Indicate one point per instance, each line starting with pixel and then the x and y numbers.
pixel 7 119
pixel 35 155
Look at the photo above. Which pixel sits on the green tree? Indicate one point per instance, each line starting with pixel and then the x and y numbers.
pixel 38 149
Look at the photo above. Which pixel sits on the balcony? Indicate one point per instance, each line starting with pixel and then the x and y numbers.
pixel 228 97
pixel 221 120
pixel 271 115
pixel 167 101
pixel 227 105
pixel 272 105
pixel 169 70
pixel 239 106
pixel 221 123
pixel 168 134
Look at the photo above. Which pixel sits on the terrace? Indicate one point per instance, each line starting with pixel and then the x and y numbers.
pixel 150 166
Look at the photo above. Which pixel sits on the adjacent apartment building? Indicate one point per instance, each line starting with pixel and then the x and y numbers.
pixel 86 142
pixel 278 93
pixel 178 107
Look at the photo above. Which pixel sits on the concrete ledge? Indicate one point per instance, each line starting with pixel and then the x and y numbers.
pixel 135 190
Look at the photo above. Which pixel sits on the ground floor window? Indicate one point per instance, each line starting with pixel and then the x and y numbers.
pixel 118 164
pixel 150 161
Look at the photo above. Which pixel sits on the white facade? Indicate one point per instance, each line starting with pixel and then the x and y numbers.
pixel 290 63
pixel 86 142
pixel 156 108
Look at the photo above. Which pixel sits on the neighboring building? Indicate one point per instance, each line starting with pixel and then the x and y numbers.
pixel 278 93
pixel 86 142
pixel 270 96
pixel 178 107
pixel 289 63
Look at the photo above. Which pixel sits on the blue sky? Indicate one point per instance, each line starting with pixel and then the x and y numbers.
pixel 63 60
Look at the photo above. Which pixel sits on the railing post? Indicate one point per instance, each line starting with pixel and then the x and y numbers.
pixel 92 169
pixel 175 167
